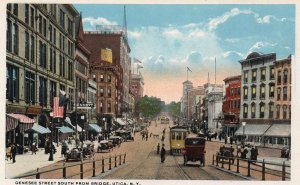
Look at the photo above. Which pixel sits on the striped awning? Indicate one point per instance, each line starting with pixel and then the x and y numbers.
pixel 65 130
pixel 11 123
pixel 25 122
pixel 40 129
pixel 95 127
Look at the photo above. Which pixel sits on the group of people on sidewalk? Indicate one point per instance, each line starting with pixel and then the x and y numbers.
pixel 11 152
pixel 247 152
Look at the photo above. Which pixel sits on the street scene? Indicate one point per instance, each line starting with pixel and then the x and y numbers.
pixel 96 92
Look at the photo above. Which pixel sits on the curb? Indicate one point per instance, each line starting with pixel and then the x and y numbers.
pixel 234 173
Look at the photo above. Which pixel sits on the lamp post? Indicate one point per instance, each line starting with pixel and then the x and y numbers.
pixel 82 135
pixel 51 139
pixel 243 124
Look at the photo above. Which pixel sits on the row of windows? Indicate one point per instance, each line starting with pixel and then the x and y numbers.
pixel 108 93
pixel 12 33
pixel 262 92
pixel 285 77
pixel 271 111
pixel 102 107
pixel 12 87
pixel 102 78
pixel 262 74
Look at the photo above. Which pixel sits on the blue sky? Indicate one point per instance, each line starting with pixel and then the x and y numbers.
pixel 167 38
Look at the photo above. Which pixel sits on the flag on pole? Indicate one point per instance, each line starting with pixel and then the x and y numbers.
pixel 189 69
pixel 58 112
pixel 135 60
pixel 139 66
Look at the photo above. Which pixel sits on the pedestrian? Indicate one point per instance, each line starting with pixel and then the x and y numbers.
pixel 162 138
pixel 8 152
pixel 220 137
pixel 225 139
pixel 231 140
pixel 163 154
pixel 13 152
pixel 33 148
pixel 248 152
pixel 150 134
pixel 158 148
pixel 64 148
pixel 147 137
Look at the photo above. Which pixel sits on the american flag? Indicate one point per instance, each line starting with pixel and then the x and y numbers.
pixel 58 112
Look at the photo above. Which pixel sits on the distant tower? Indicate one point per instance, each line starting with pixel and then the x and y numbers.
pixel 125 23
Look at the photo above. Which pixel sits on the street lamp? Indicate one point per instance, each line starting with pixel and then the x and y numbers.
pixel 244 124
pixel 51 139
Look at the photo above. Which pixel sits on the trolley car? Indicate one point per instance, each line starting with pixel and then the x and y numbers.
pixel 177 138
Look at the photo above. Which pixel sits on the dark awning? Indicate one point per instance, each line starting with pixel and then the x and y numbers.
pixel 279 130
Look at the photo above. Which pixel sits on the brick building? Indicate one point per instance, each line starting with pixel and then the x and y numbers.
pixel 231 104
pixel 105 64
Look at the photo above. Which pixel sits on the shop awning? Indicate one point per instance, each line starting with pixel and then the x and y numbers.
pixel 65 130
pixel 95 127
pixel 120 121
pixel 253 129
pixel 68 120
pixel 25 122
pixel 40 129
pixel 279 130
pixel 11 123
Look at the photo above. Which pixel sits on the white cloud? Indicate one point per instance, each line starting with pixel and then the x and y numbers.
pixel 228 53
pixel 215 22
pixel 172 33
pixel 134 34
pixel 267 19
pixel 97 21
pixel 232 40
pixel 197 33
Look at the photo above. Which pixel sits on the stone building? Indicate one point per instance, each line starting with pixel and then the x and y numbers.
pixel 187 85
pixel 40 45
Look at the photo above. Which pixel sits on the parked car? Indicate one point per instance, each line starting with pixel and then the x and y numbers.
pixel 74 154
pixel 116 140
pixel 125 134
pixel 105 145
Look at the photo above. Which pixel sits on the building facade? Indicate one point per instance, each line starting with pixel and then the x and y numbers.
pixel 187 85
pixel 40 45
pixel 137 85
pixel 283 91
pixel 194 96
pixel 258 88
pixel 231 104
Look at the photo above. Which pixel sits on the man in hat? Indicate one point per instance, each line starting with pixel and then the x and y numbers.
pixel 163 153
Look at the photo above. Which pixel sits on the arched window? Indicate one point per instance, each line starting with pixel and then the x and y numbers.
pixel 261 110
pixel 262 91
pixel 253 110
pixel 271 110
pixel 285 76
pixel 245 93
pixel 284 108
pixel 245 111
pixel 277 111
pixel 253 90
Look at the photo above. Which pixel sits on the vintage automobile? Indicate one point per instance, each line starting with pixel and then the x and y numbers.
pixel 225 153
pixel 74 154
pixel 88 150
pixel 194 150
pixel 116 140
pixel 125 134
pixel 105 145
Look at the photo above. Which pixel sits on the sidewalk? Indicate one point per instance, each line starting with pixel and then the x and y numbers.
pixel 27 162
pixel 275 160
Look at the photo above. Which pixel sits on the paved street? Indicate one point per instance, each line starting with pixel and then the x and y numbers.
pixel 142 162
